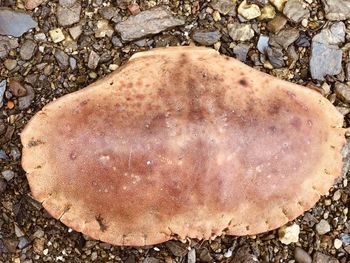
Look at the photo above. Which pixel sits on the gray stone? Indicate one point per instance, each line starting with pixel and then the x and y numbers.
pixel 284 38
pixel 275 56
pixel 241 51
pixel 15 153
pixel 28 49
pixel 323 227
pixel 40 37
pixel 116 42
pixel 7 44
pixel 3 155
pixel 15 23
pixel 240 32
pixel 295 11
pixel 72 63
pixel 75 31
pixel 94 59
pixel 39 233
pixel 337 9
pixel 24 102
pixel 325 60
pixel 322 258
pixel 345 238
pixel 223 6
pixel 333 35
pixel 206 38
pixel 263 43
pixel 342 91
pixel 23 242
pixel 67 14
pixel 301 256
pixel 8 175
pixel 149 22
pixel 191 256
pixel 178 249
pixel 62 58
pixel 326 56
pixel 2 91
pixel 110 13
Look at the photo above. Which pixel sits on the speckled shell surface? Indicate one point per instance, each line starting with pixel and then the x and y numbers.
pixel 182 142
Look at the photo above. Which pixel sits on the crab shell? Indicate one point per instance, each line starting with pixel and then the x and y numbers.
pixel 182 142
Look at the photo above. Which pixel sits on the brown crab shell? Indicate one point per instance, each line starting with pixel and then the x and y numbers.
pixel 182 142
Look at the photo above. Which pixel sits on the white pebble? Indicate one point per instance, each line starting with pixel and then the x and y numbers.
pixel 289 234
pixel 337 195
pixel 337 243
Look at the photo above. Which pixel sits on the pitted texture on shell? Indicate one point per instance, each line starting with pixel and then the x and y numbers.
pixel 182 142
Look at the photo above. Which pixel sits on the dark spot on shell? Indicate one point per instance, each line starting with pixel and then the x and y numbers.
pixel 140 96
pixel 33 143
pixel 184 59
pixel 100 222
pixel 243 82
pixel 274 108
pixel 291 94
pixel 73 156
pixel 111 83
pixel 296 123
pixel 84 102
pixel 139 82
pixel 273 129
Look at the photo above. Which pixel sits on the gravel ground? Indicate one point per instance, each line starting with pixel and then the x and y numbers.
pixel 51 48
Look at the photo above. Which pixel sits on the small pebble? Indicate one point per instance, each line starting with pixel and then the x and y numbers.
pixel 40 37
pixel 56 35
pixel 301 256
pixel 10 64
pixel 113 67
pixel 248 11
pixel 323 227
pixel 28 49
pixel 93 61
pixel 8 175
pixel 191 256
pixel 289 234
pixel 336 195
pixel 337 243
pixel 17 88
pixel 23 242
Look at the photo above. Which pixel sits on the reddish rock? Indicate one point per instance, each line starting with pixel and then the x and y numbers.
pixel 31 4
pixel 17 88
pixel 134 9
